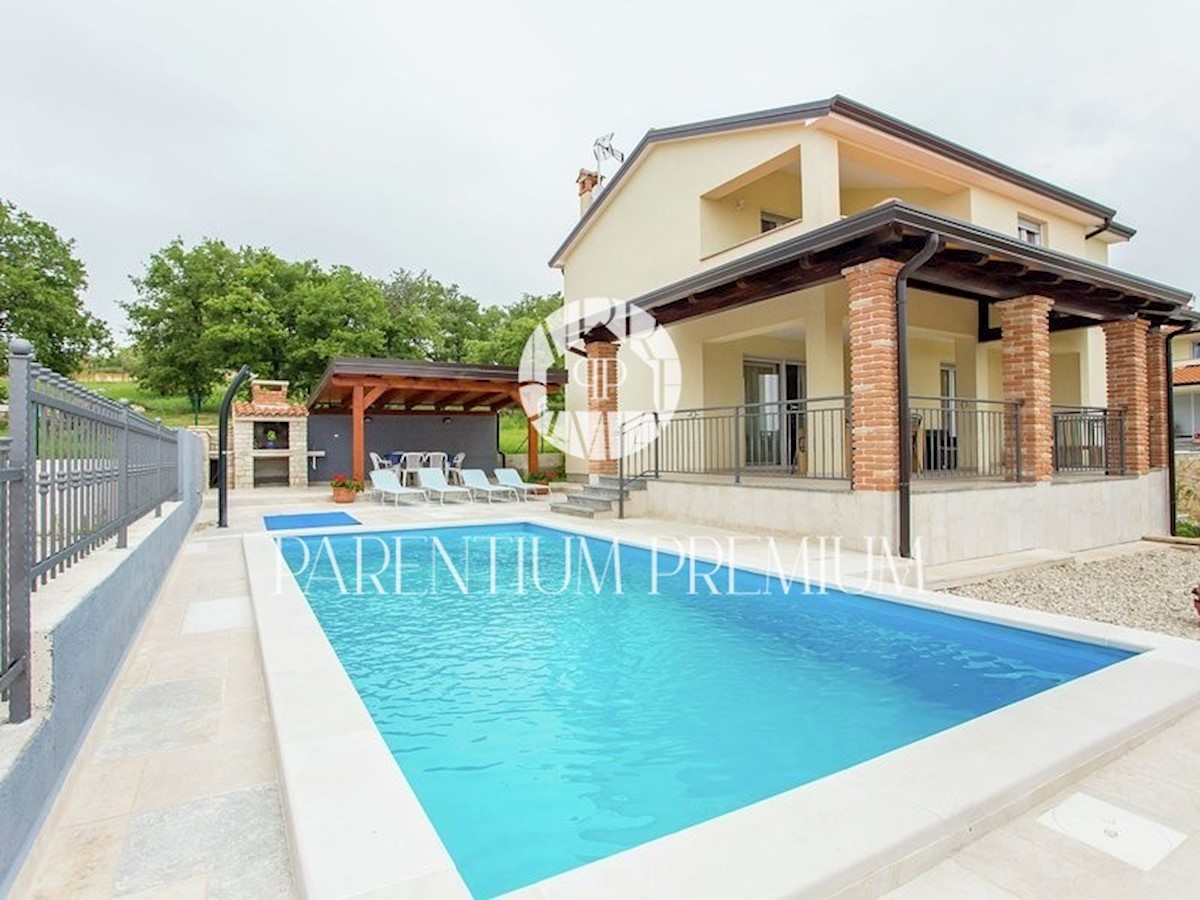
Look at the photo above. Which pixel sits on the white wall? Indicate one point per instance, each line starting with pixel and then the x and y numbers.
pixel 950 525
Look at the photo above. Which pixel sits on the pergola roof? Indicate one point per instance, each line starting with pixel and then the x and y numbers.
pixel 971 262
pixel 403 385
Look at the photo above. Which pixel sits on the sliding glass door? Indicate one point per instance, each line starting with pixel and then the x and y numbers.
pixel 772 422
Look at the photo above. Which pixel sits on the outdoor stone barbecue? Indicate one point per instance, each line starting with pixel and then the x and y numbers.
pixel 270 438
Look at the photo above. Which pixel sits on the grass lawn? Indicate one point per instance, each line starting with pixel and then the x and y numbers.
pixel 175 411
pixel 514 436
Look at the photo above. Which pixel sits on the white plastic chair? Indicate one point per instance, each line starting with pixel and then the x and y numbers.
pixel 409 464
pixel 436 460
pixel 454 472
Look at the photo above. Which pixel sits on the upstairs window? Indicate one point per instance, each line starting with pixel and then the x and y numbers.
pixel 1196 350
pixel 1029 231
pixel 769 221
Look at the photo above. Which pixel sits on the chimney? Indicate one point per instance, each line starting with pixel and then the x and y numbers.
pixel 588 181
pixel 269 393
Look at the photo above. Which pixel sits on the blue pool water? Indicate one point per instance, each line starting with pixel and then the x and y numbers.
pixel 308 520
pixel 544 730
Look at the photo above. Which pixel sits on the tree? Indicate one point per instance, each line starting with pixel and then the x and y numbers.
pixel 40 285
pixel 204 311
pixel 430 320
pixel 170 321
pixel 510 328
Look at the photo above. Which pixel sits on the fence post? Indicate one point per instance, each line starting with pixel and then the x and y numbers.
pixel 158 472
pixel 1122 432
pixel 1020 475
pixel 19 525
pixel 656 435
pixel 621 470
pixel 737 447
pixel 123 480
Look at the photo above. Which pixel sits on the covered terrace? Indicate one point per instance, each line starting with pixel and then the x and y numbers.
pixel 421 406
pixel 853 300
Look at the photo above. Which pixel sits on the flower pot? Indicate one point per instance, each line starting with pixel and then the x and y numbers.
pixel 344 495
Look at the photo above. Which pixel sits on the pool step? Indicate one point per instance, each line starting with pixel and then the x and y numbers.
pixel 598 501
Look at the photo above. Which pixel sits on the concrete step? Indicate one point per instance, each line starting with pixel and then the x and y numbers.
pixel 570 508
pixel 598 502
pixel 611 482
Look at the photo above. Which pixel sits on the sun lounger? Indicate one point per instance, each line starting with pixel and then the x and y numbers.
pixel 433 481
pixel 476 482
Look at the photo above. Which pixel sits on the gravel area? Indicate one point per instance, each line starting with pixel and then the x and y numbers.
pixel 1150 589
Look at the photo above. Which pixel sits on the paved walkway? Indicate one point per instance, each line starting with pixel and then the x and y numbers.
pixel 1157 782
pixel 176 794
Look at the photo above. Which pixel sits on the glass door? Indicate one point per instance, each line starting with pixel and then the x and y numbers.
pixel 763 395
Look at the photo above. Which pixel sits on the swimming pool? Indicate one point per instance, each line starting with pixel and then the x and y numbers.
pixel 543 725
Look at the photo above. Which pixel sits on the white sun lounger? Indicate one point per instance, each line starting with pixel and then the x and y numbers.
pixel 511 478
pixel 476 482
pixel 433 481
pixel 388 484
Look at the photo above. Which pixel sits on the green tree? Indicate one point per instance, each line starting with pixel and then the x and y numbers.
pixel 430 320
pixel 204 311
pixel 509 329
pixel 171 318
pixel 40 285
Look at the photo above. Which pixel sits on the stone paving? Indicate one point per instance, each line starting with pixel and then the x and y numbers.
pixel 175 793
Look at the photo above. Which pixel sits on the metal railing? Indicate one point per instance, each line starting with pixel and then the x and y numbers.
pixel 960 437
pixel 807 438
pixel 75 471
pixel 1089 439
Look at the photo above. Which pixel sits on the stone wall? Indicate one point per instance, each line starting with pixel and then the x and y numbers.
pixel 1187 481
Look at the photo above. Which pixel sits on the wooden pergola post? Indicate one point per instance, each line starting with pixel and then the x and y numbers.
pixel 357 440
pixel 534 441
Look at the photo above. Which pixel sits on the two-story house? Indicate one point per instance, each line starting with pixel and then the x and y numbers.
pixel 878 332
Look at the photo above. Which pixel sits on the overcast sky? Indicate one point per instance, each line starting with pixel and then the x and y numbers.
pixel 447 136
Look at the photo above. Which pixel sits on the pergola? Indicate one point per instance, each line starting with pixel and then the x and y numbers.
pixel 408 387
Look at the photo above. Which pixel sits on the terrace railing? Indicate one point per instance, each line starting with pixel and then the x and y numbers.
pixel 807 438
pixel 965 438
pixel 75 471
pixel 1089 439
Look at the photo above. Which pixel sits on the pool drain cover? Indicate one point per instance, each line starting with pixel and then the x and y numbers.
pixel 1118 832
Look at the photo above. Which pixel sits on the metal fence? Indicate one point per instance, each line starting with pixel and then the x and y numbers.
pixel 807 438
pixel 960 437
pixel 1089 439
pixel 75 471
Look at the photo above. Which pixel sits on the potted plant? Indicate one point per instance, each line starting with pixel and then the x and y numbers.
pixel 271 438
pixel 345 488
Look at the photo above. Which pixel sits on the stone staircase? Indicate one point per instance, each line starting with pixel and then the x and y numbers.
pixel 599 500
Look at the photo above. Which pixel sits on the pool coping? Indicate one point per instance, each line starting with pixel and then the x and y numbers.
pixel 356 826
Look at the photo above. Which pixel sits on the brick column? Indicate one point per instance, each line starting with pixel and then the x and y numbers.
pixel 874 383
pixel 1025 356
pixel 603 403
pixel 1125 344
pixel 1156 398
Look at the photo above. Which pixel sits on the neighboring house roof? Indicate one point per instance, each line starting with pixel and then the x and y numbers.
pixel 972 262
pixel 1187 375
pixel 864 115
